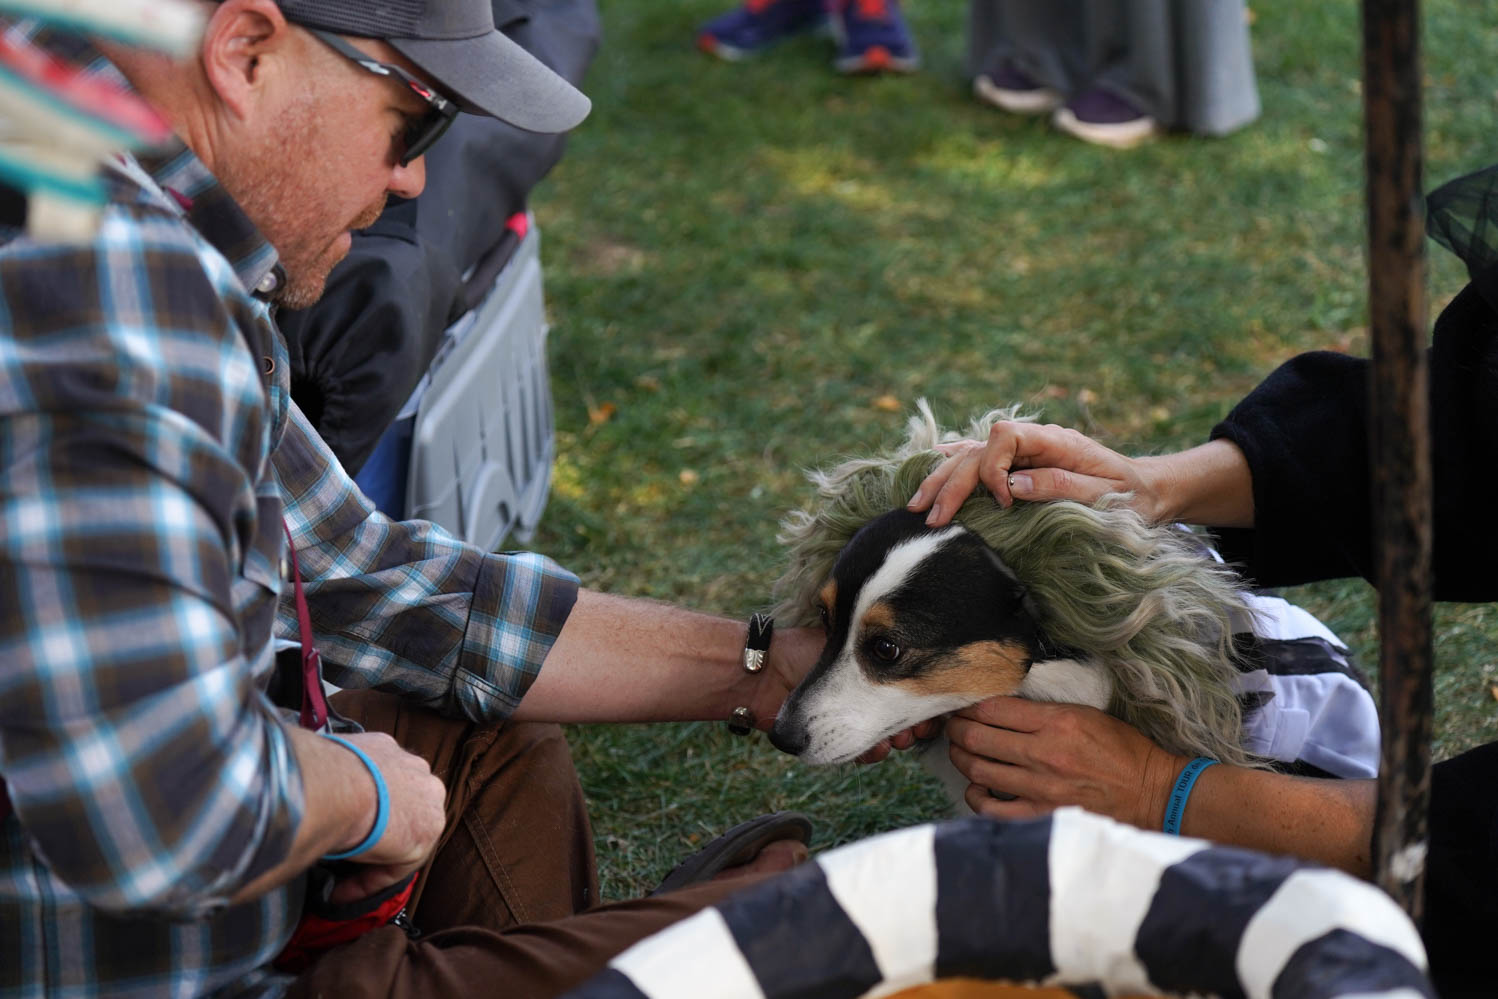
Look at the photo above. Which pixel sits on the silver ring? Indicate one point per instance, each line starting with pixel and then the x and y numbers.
pixel 1011 482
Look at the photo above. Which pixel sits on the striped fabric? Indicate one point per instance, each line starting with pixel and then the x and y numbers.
pixel 1074 900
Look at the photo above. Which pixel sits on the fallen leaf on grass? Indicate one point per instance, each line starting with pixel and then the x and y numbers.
pixel 687 477
pixel 1494 691
pixel 599 415
pixel 888 403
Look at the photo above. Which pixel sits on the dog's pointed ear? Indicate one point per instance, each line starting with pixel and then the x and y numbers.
pixel 1023 601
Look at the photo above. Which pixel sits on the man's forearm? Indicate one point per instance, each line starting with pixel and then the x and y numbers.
pixel 1329 821
pixel 626 660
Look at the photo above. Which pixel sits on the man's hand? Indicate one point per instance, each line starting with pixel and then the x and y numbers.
pixel 341 808
pixel 793 652
pixel 1057 463
pixel 417 816
pixel 1050 755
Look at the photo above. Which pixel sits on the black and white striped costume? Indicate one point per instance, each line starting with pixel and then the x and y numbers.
pixel 1072 900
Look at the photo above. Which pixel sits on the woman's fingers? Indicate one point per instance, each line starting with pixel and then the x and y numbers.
pixel 950 482
pixel 1026 461
pixel 980 801
pixel 993 774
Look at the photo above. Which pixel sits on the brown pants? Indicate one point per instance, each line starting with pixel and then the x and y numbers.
pixel 508 904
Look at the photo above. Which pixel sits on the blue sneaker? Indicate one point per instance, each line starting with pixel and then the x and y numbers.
pixel 872 37
pixel 758 25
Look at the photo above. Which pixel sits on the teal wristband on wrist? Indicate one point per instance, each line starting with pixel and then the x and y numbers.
pixel 1176 806
pixel 382 803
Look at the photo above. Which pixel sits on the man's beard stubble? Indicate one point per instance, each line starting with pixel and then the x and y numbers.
pixel 259 184
pixel 305 284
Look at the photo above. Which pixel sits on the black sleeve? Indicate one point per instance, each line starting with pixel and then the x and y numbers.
pixel 1304 432
pixel 357 354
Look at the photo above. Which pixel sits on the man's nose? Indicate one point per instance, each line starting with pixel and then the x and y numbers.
pixel 408 181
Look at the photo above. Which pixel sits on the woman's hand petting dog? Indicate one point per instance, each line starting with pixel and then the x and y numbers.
pixel 1050 755
pixel 1058 463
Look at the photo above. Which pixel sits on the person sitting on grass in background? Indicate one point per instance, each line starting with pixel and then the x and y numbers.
pixel 163 823
pixel 871 35
pixel 1117 72
pixel 1284 483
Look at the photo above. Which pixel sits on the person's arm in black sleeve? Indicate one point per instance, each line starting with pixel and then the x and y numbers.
pixel 1304 432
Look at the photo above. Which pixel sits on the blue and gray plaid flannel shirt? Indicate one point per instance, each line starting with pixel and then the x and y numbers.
pixel 148 451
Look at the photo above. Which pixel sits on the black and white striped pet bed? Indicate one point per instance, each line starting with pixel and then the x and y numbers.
pixel 1072 900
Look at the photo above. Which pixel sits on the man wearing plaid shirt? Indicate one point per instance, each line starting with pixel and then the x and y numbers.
pixel 162 815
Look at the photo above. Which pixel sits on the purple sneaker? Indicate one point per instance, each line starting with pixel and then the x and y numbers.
pixel 758 25
pixel 1102 117
pixel 1005 85
pixel 872 37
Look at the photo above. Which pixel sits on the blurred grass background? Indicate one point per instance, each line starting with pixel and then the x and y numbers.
pixel 757 268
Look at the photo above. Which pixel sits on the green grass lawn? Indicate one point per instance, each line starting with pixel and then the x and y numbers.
pixel 747 263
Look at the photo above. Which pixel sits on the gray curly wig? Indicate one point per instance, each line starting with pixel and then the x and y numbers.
pixel 1146 603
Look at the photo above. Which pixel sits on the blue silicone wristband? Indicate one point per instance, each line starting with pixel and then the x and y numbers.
pixel 382 806
pixel 1176 806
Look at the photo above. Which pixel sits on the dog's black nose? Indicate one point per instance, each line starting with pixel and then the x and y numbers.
pixel 791 739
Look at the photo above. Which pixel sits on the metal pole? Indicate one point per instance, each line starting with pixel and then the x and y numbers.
pixel 1399 441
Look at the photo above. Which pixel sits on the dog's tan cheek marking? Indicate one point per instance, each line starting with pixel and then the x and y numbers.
pixel 982 669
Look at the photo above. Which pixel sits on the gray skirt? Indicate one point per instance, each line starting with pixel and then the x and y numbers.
pixel 1185 63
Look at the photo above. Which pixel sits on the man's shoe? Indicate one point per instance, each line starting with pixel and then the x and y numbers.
pixel 872 37
pixel 758 25
pixel 1102 117
pixel 739 845
pixel 1006 86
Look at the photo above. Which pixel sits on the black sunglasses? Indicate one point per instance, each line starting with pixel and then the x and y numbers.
pixel 420 135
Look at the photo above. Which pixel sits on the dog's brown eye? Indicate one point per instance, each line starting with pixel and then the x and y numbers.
pixel 826 618
pixel 886 650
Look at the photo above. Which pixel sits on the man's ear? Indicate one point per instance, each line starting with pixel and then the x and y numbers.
pixel 239 35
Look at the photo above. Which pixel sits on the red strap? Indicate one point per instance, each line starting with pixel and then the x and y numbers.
pixel 316 933
pixel 314 701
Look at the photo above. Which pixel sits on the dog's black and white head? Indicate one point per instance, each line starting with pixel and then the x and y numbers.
pixel 919 622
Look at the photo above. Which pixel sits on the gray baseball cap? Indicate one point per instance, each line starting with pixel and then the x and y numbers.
pixel 456 44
